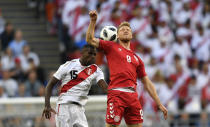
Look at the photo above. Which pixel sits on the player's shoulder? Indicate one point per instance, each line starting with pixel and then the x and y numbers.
pixel 97 67
pixel 107 42
pixel 74 61
pixel 113 44
pixel 138 57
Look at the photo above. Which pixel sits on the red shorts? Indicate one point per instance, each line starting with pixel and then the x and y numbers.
pixel 123 104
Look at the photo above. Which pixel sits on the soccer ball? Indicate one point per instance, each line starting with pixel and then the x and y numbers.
pixel 109 33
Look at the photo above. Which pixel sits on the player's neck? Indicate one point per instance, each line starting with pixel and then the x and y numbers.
pixel 125 45
pixel 82 62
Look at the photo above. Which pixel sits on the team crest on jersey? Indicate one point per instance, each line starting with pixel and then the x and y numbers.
pixel 89 71
pixel 119 49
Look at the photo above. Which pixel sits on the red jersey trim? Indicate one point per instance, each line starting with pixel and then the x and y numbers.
pixel 83 75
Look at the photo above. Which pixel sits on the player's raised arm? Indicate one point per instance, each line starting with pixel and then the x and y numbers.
pixel 152 92
pixel 91 30
pixel 47 110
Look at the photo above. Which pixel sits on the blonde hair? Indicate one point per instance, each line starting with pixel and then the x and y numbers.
pixel 123 24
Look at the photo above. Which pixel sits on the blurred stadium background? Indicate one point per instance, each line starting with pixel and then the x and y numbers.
pixel 171 36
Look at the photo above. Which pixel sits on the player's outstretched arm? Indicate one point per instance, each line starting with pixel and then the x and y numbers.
pixel 103 85
pixel 148 85
pixel 47 110
pixel 91 30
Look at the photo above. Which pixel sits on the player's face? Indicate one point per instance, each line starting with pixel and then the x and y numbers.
pixel 124 34
pixel 89 56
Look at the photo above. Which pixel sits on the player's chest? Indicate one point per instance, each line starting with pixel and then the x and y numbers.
pixel 80 73
pixel 126 57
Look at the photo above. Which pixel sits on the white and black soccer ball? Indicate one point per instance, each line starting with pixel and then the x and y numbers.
pixel 109 33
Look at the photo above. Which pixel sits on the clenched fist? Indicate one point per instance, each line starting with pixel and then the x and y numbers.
pixel 93 15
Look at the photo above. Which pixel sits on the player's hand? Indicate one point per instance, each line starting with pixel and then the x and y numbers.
pixel 47 112
pixel 164 110
pixel 93 15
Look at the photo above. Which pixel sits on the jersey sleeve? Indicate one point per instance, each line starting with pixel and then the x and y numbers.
pixel 99 74
pixel 61 72
pixel 141 69
pixel 105 45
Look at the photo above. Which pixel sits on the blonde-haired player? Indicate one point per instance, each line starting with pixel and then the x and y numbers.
pixel 125 67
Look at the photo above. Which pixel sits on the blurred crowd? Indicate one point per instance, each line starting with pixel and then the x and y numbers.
pixel 172 37
pixel 20 71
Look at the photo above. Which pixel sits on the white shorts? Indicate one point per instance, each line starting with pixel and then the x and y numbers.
pixel 70 115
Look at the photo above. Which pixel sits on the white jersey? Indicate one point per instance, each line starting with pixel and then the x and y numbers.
pixel 76 81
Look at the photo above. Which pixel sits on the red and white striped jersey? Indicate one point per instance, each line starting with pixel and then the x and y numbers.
pixel 76 81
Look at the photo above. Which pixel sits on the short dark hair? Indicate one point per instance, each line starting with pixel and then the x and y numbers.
pixel 88 46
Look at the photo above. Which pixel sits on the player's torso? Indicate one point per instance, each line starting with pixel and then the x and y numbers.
pixel 123 64
pixel 78 78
